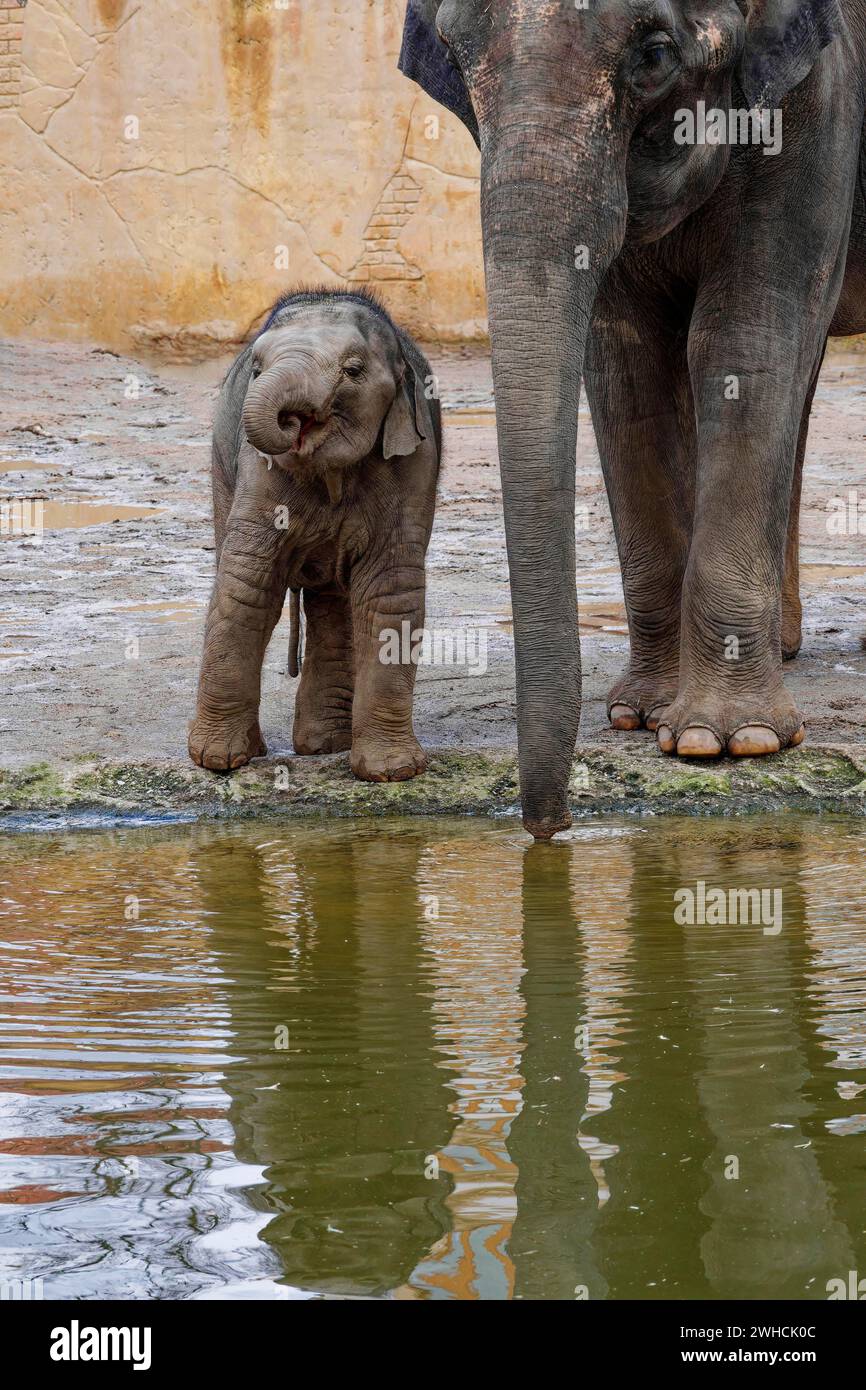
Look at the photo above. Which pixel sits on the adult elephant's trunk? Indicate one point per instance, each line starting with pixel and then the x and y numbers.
pixel 553 218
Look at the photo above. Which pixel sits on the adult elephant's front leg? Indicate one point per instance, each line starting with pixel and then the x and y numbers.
pixel 732 697
pixel 387 608
pixel 773 267
pixel 637 381
pixel 246 604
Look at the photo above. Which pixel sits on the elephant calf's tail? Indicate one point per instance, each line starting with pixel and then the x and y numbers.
pixel 295 652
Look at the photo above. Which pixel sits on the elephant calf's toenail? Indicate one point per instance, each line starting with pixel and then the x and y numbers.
pixel 698 743
pixel 624 718
pixel 753 741
pixel 665 739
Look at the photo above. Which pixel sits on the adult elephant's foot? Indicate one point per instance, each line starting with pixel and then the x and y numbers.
pixel 706 726
pixel 223 744
pixel 638 701
pixel 311 736
pixel 387 760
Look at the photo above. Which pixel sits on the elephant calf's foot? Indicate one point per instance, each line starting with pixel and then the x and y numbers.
pixel 224 744
pixel 707 726
pixel 382 760
pixel 638 702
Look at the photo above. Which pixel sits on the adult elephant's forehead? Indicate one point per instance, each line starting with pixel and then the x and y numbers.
pixel 455 18
pixel 492 30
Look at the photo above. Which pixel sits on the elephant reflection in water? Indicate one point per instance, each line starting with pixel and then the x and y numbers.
pixel 319 938
pixel 579 1068
pixel 717 1190
pixel 773 1229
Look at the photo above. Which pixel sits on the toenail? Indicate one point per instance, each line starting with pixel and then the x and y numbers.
pixel 753 741
pixel 798 736
pixel 698 742
pixel 624 718
pixel 665 738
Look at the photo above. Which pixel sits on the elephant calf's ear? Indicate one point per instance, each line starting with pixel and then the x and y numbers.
pixel 424 58
pixel 404 427
pixel 783 40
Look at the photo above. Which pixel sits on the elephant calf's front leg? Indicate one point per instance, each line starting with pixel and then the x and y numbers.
pixel 387 608
pixel 245 607
pixel 639 393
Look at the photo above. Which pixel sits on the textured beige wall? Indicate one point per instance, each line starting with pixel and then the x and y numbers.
pixel 170 166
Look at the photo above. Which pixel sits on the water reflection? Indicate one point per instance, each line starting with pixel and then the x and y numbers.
pixel 428 1060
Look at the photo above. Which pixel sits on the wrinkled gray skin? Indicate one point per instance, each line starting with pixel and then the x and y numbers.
pixel 325 460
pixel 705 262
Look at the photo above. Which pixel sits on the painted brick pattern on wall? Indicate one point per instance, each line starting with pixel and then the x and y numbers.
pixel 382 258
pixel 11 36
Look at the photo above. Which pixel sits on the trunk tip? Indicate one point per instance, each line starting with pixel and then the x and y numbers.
pixel 548 826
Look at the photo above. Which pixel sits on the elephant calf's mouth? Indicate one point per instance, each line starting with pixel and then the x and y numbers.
pixel 289 420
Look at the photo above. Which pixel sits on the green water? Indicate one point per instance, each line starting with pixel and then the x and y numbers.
pixel 429 1059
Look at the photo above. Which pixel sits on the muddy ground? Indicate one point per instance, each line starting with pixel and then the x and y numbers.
pixel 101 623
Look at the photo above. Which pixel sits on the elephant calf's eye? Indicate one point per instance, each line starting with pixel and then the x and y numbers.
pixel 354 369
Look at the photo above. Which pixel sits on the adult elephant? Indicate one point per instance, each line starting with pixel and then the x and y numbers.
pixel 693 286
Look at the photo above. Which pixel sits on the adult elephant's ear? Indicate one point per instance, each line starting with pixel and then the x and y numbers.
pixel 783 41
pixel 424 58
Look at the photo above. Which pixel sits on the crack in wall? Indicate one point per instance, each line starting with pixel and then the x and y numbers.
pixel 184 271
pixel 11 35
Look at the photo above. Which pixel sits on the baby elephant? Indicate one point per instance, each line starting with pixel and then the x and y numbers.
pixel 325 460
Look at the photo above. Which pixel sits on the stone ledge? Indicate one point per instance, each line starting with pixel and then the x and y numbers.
pixel 632 781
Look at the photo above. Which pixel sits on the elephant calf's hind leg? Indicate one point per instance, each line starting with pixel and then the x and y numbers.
pixel 323 707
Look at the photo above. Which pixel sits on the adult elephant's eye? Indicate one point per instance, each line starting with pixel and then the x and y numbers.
pixel 658 59
pixel 353 369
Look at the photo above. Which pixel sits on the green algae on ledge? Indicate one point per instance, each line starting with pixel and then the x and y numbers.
pixel 457 782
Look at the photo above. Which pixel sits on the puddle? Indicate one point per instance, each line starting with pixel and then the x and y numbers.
pixel 430 1060
pixel 819 574
pixel 164 612
pixel 75 516
pixel 27 466
pixel 592 618
pixel 469 417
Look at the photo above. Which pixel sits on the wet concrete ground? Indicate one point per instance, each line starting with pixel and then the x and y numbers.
pixel 101 624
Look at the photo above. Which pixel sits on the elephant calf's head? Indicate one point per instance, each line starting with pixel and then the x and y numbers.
pixel 329 382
